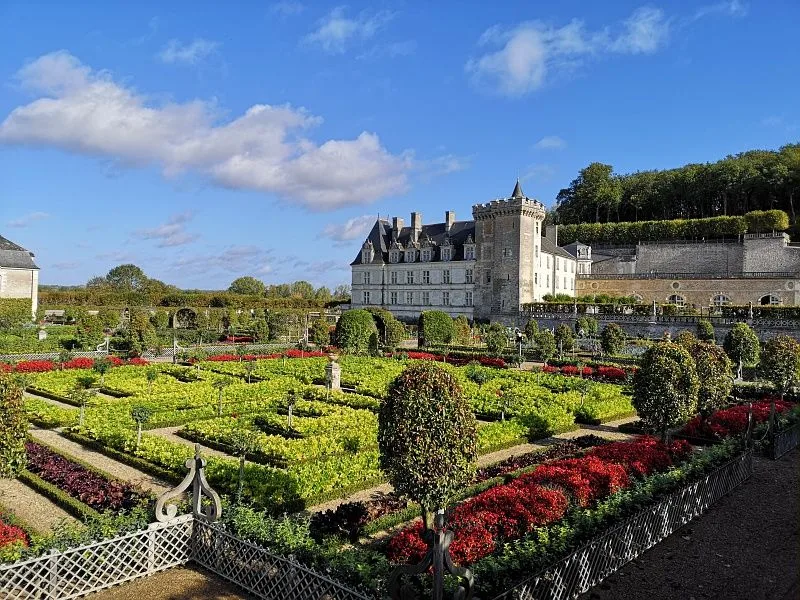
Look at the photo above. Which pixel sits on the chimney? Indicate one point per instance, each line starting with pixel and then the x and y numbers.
pixel 397 225
pixel 449 219
pixel 416 226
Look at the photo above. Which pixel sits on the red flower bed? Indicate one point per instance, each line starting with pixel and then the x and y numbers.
pixel 10 534
pixel 575 371
pixel 459 361
pixel 34 366
pixel 138 361
pixel 550 369
pixel 602 372
pixel 294 353
pixel 5 368
pixel 79 363
pixel 79 482
pixel 115 361
pixel 732 421
pixel 644 455
pixel 223 357
pixel 585 479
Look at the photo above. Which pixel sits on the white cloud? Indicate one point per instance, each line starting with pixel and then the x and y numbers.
pixel 235 259
pixel 170 234
pixel 532 51
pixel 731 8
pixel 264 149
pixel 28 219
pixel 287 9
pixel 188 54
pixel 550 142
pixel 335 31
pixel 352 229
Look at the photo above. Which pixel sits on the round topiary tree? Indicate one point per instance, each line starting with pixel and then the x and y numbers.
pixel 496 338
pixel 613 339
pixel 665 387
pixel 742 346
pixel 780 362
pixel 531 329
pixel 320 332
pixel 353 331
pixel 715 376
pixel 705 331
pixel 687 339
pixel 565 341
pixel 427 437
pixel 435 327
pixel 545 343
pixel 13 427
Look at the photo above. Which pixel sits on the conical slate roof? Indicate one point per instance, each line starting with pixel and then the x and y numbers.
pixel 517 193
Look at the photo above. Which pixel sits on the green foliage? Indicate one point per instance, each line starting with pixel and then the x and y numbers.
pixel 320 332
pixel 687 339
pixel 780 362
pixel 390 331
pixel 705 331
pixel 140 333
pixel 353 331
pixel 632 233
pixel 531 329
pixel 427 436
pixel 13 427
pixel 14 312
pixel 496 338
pixel 545 343
pixel 435 327
pixel 588 325
pixel 741 344
pixel 260 329
pixel 665 387
pixel 89 331
pixel 127 277
pixel 141 414
pixel 714 372
pixel 160 320
pixel 764 221
pixel 564 338
pixel 463 332
pixel 249 286
pixel 613 339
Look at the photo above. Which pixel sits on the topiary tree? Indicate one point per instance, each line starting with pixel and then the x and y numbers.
pixel 705 331
pixel 81 394
pixel 320 332
pixel 665 387
pixel 531 329
pixel 545 345
pixel 427 437
pixel 260 329
pixel 435 327
pixel 249 367
pixel 220 385
pixel 742 346
pixel 13 427
pixel 243 441
pixel 613 339
pixel 141 415
pixel 101 367
pixel 496 338
pixel 463 332
pixel 151 375
pixel 714 373
pixel 64 357
pixel 687 339
pixel 780 362
pixel 565 341
pixel 353 330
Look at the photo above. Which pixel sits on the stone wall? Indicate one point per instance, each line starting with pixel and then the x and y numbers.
pixel 709 257
pixel 20 283
pixel 770 253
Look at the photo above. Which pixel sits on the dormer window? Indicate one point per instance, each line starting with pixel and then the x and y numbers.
pixel 410 256
pixel 367 252
pixel 447 253
pixel 426 255
pixel 394 256
pixel 469 252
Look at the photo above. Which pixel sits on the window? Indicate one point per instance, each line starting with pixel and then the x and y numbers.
pixel 409 297
pixel 393 277
pixel 506 252
pixel 367 277
pixel 565 283
pixel 446 298
pixel 446 276
pixel 469 252
pixel 426 277
pixel 409 276
pixel 366 297
pixel 555 281
pixel 394 256
pixel 426 298
pixel 535 278
pixel 468 276
pixel 536 251
pixel 488 277
pixel 366 256
pixel 468 299
pixel 537 229
pixel 393 298
pixel 720 300
pixel 548 280
pixel 410 256
pixel 572 266
pixel 676 299
pixel 426 255
pixel 446 253
pixel 557 265
pixel 769 300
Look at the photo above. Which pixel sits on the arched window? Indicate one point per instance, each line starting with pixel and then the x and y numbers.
pixel 676 299
pixel 769 300
pixel 720 300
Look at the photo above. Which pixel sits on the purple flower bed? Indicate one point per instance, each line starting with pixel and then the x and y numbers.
pixel 79 482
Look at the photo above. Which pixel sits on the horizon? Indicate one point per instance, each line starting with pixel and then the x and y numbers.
pixel 267 142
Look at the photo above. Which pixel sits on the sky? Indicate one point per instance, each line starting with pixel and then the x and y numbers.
pixel 204 141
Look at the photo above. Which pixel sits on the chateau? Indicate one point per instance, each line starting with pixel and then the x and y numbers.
pixel 19 275
pixel 491 265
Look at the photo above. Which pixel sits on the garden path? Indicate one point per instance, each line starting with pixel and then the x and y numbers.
pixel 57 403
pixel 36 511
pixel 170 433
pixel 175 584
pixel 100 461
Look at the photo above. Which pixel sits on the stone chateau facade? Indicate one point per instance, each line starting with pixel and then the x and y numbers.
pixel 485 267
pixel 19 275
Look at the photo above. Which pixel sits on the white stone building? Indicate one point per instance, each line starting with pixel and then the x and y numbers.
pixel 481 268
pixel 19 275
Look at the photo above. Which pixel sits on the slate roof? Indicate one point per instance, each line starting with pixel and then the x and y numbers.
pixel 381 237
pixel 13 256
pixel 549 247
pixel 573 248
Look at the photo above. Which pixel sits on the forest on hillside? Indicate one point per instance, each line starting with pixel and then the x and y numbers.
pixel 756 180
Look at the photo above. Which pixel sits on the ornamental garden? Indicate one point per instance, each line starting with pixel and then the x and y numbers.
pixel 302 467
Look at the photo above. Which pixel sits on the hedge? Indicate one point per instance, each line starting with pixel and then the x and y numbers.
pixel 71 505
pixel 15 312
pixel 435 327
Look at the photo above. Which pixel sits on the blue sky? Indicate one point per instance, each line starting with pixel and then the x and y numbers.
pixel 204 141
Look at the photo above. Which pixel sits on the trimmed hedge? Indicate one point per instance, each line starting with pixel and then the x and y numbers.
pixel 435 327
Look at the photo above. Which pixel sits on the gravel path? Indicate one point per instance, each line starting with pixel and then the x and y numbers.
pixel 170 433
pixel 178 583
pixel 57 403
pixel 100 461
pixel 35 510
pixel 745 548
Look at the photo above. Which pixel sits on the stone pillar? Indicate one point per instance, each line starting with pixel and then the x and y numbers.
pixel 333 375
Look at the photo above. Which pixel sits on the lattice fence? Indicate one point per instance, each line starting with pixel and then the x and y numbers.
pixel 604 555
pixel 79 571
pixel 50 356
pixel 785 441
pixel 258 571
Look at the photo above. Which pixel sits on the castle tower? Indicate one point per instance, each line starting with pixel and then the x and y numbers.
pixel 508 234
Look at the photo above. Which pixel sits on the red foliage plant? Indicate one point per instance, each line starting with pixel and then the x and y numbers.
pixel 732 421
pixel 34 366
pixel 138 361
pixel 79 363
pixel 10 534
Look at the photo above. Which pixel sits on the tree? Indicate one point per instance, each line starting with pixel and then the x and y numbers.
pixel 714 374
pixel 780 362
pixel 249 286
pixel 565 341
pixel 88 331
pixel 435 327
pixel 742 346
pixel 545 343
pixel 705 331
pixel 80 395
pixel 687 339
pixel 427 437
pixel 463 332
pixel 220 385
pixel 531 329
pixel 665 387
pixel 151 375
pixel 260 329
pixel 141 415
pixel 496 338
pixel 101 367
pixel 243 441
pixel 127 278
pixel 320 332
pixel 160 320
pixel 613 339
pixel 341 292
pixel 13 427
pixel 249 367
pixel 353 331
pixel 140 333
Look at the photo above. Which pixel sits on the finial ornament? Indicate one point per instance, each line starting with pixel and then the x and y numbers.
pixel 197 479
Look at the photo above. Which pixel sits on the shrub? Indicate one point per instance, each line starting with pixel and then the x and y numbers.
pixel 435 327
pixel 545 345
pixel 531 329
pixel 496 338
pixel 686 338
pixel 427 437
pixel 705 331
pixel 714 372
pixel 564 339
pixel 13 427
pixel 321 332
pixel 665 387
pixel 463 332
pixel 613 338
pixel 780 362
pixel 741 345
pixel 14 312
pixel 353 331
